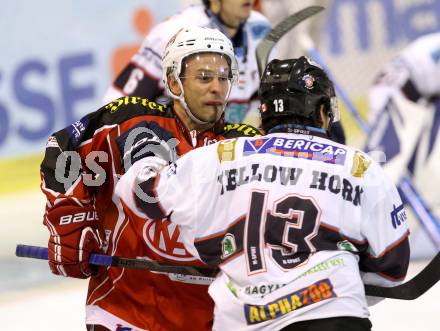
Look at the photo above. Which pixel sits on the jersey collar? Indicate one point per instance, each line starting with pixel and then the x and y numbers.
pixel 299 129
pixel 194 136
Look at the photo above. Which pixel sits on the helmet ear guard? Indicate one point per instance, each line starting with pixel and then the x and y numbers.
pixel 296 89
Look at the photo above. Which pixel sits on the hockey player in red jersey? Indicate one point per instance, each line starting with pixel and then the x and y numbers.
pixel 236 19
pixel 82 165
pixel 296 222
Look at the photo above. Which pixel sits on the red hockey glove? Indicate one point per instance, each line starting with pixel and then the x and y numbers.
pixel 73 237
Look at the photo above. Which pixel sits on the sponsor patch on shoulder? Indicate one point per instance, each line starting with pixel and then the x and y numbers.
pixel 360 164
pixel 76 130
pixel 226 150
pixel 298 148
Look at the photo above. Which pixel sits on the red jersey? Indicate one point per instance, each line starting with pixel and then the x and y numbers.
pixel 120 298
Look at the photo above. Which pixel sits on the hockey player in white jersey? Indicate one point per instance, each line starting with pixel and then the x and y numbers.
pixel 405 113
pixel 296 223
pixel 236 19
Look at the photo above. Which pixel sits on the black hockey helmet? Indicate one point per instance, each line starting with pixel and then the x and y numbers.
pixel 295 88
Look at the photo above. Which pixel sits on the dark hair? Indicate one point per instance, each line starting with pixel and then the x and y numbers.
pixel 290 119
pixel 206 3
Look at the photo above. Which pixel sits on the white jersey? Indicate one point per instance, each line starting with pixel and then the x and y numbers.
pixel 148 60
pixel 296 223
pixel 405 114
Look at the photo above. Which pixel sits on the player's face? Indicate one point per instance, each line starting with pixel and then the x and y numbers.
pixel 233 12
pixel 206 84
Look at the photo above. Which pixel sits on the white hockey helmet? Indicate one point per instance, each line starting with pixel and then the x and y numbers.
pixel 193 40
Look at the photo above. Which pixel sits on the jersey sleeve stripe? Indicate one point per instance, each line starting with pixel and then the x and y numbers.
pixel 335 229
pixel 220 233
pixel 389 247
pixel 390 265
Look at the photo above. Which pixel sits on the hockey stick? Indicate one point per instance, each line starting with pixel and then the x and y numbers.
pixel 41 253
pixel 266 45
pixel 307 44
pixel 413 288
pixel 407 291
pixel 406 187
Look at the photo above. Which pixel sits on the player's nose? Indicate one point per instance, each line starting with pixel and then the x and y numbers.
pixel 218 85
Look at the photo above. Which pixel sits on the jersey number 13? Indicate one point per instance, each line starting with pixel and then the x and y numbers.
pixel 286 230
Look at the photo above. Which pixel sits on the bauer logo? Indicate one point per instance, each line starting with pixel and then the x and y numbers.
pixel 79 217
pixel 298 148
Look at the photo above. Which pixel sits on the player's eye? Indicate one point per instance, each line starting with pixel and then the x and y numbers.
pixel 205 77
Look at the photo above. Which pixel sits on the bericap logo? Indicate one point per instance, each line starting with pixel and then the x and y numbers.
pixel 298 148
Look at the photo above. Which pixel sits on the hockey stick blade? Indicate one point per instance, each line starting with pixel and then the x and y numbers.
pixel 41 253
pixel 413 288
pixel 266 45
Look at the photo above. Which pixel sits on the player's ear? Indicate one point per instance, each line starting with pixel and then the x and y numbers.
pixel 174 85
pixel 324 118
pixel 215 6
